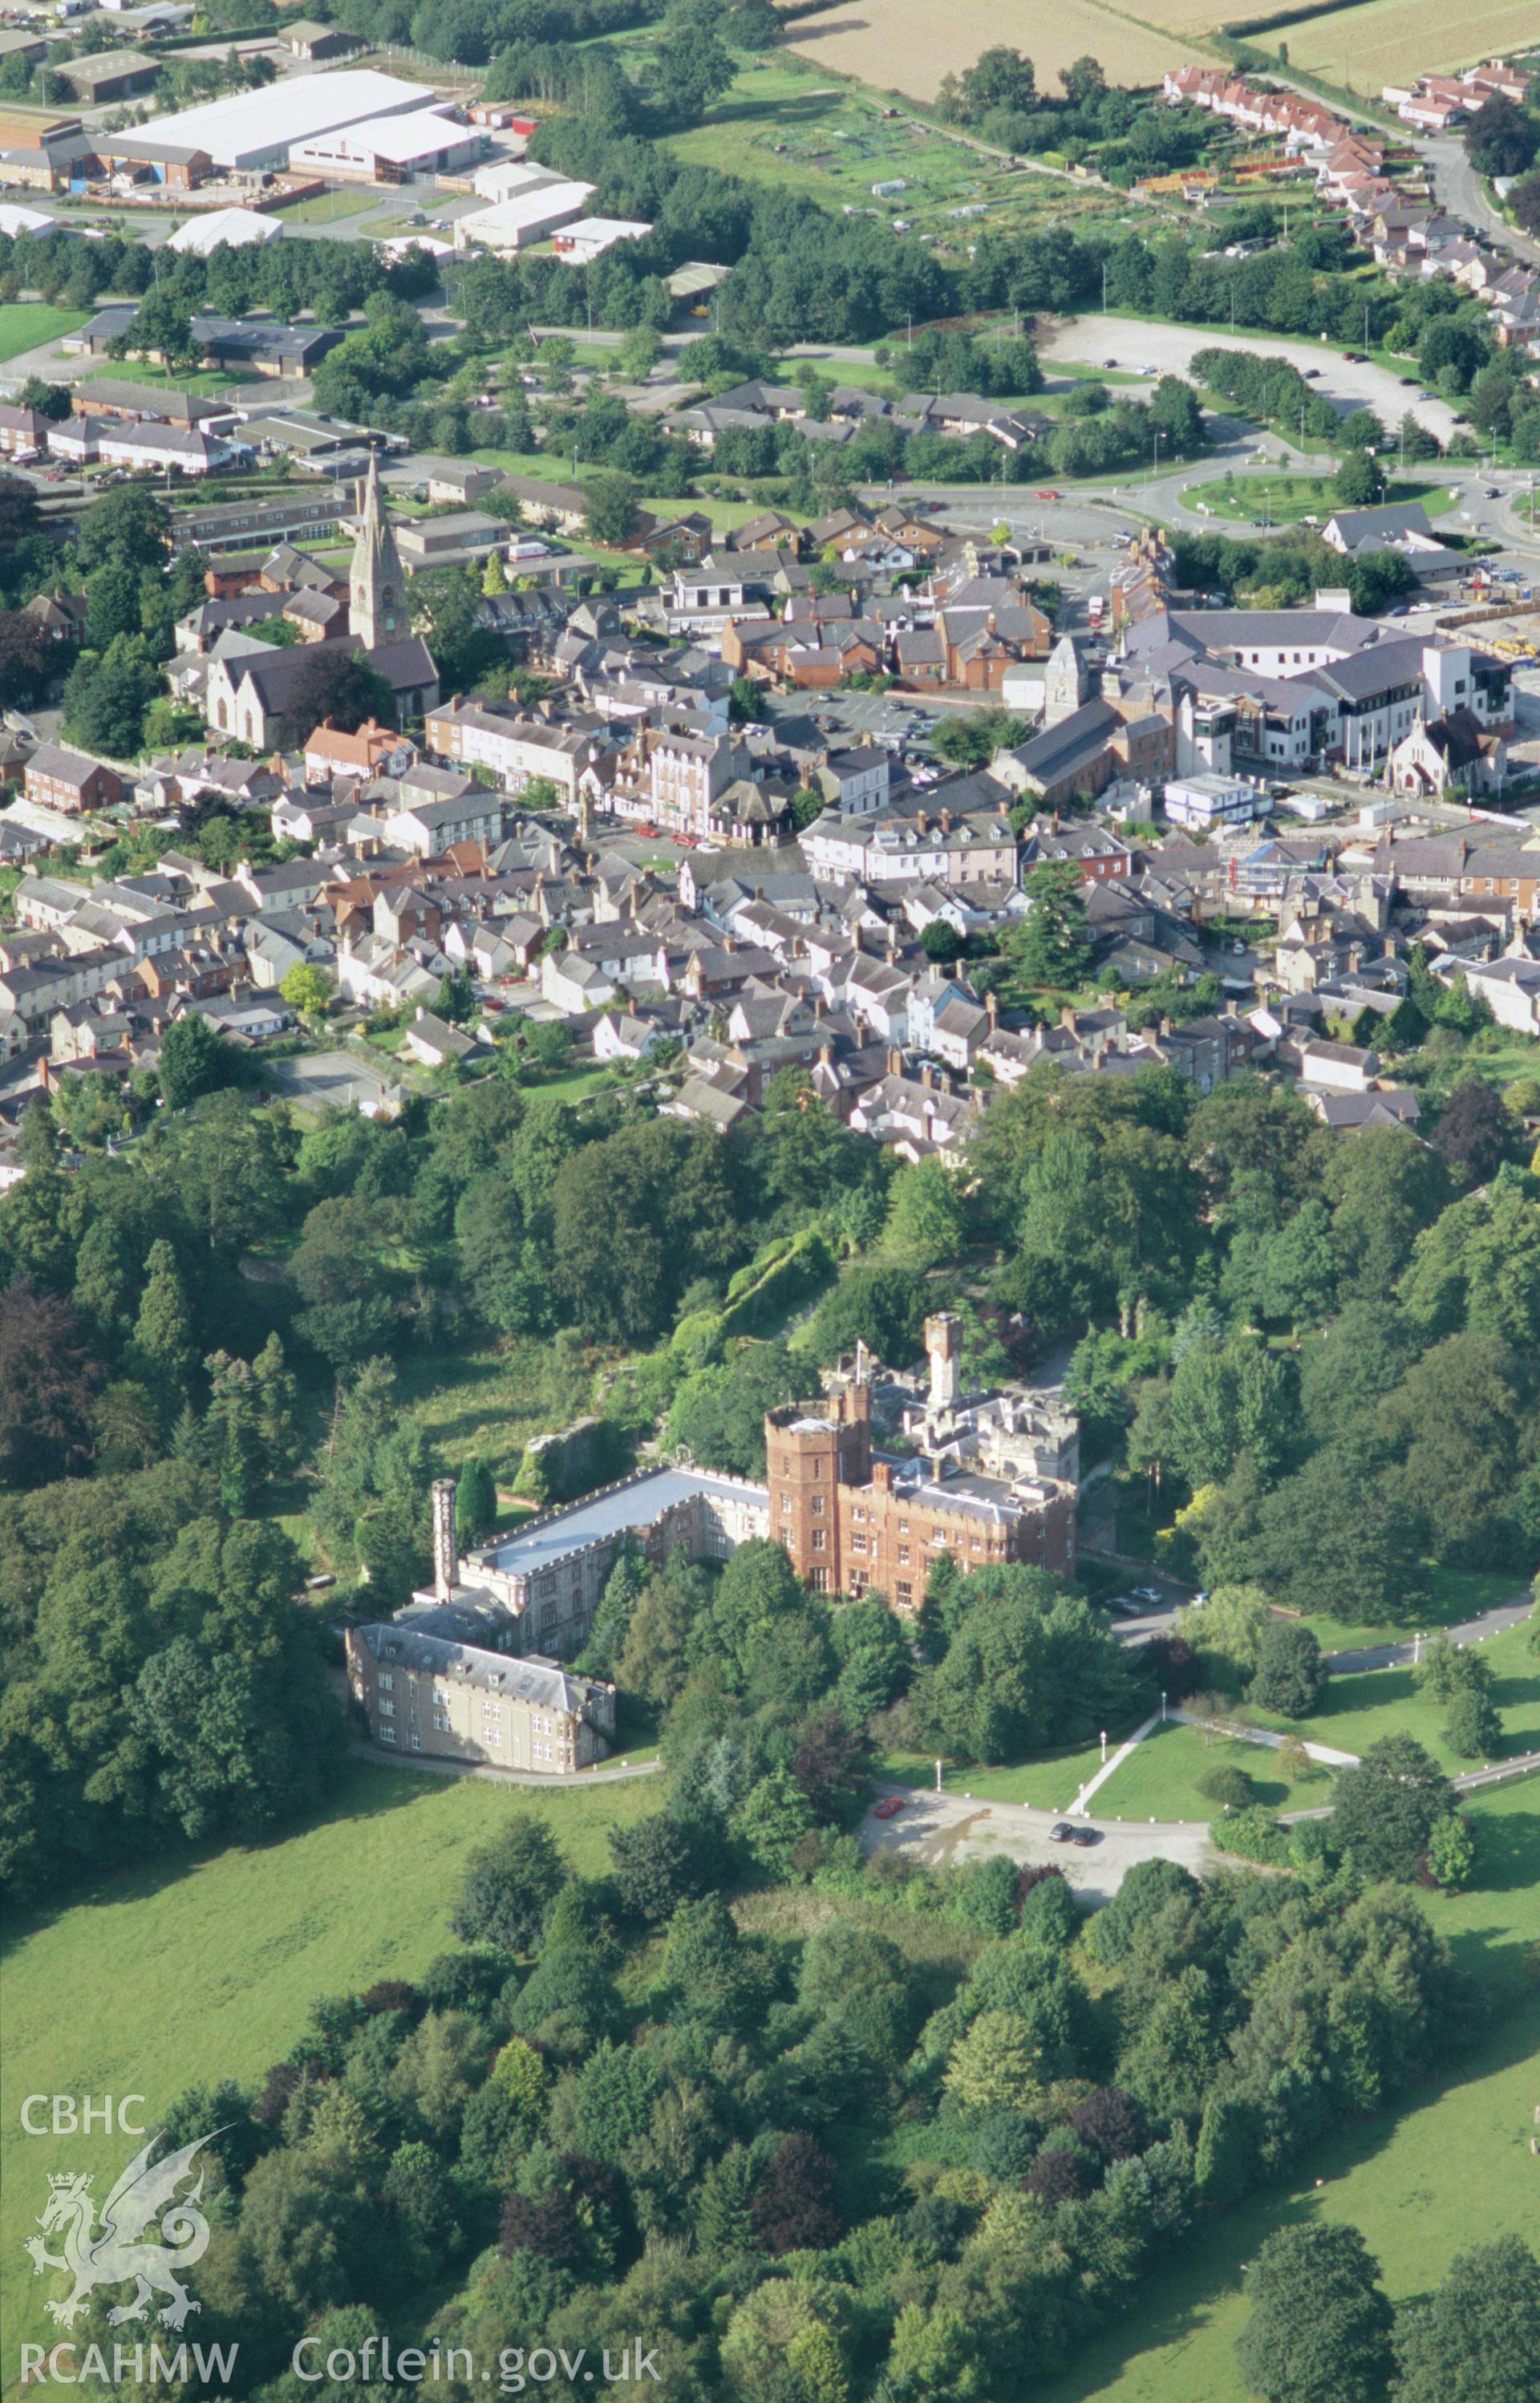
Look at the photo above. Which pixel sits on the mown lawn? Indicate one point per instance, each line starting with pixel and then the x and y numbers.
pixel 1452 2168
pixel 27 325
pixel 1454 1595
pixel 204 1965
pixel 1159 1778
pixel 1358 1710
pixel 1049 1783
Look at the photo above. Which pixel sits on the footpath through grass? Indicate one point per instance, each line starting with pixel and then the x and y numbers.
pixel 1161 1777
pixel 204 1967
pixel 1450 2168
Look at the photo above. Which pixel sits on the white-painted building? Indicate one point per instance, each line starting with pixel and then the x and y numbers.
pixel 1207 801
pixel 528 218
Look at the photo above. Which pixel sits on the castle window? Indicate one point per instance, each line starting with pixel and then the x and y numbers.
pixel 387 1735
pixel 904 1552
pixel 387 1680
pixel 387 1710
pixel 903 1590
pixel 818 1539
pixel 818 1504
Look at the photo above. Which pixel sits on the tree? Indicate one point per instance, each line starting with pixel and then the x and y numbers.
pixel 1450 1853
pixel 1050 946
pixel 131 524
pixel 656 1867
pixel 1524 202
pixel 1476 2337
pixel 346 690
pixel 1473 1730
pixel 1359 481
pixel 47 1381
pixel 1384 1811
pixel 793 2209
pixel 307 989
pixel 612 513
pixel 106 694
pixel 163 1331
pixel 996 2066
pixel 475 1498
pixel 195 1059
pixel 926 1220
pixel 1502 138
pixel 1290 1677
pixel 509 1887
pixel 1319 2330
pixel 1477 1133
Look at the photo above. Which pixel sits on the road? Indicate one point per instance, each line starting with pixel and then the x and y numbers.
pixel 1460 195
pixel 1134 343
pixel 1470 1630
pixel 943 1829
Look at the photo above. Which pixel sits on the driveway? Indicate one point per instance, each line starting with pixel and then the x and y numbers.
pixel 1470 1630
pixel 940 1829
pixel 1134 343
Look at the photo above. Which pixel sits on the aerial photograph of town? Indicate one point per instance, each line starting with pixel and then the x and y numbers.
pixel 769 1200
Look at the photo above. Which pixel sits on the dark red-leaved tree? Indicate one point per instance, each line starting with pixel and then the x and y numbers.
pixel 1059 2176
pixel 49 1380
pixel 824 1763
pixel 1478 1132
pixel 1111 2122
pixel 793 2209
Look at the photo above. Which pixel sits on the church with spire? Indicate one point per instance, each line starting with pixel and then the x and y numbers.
pixel 377 584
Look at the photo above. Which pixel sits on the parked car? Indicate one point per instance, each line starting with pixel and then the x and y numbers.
pixel 889 1807
pixel 1046 493
pixel 1061 1834
pixel 1109 363
pixel 1148 1593
pixel 1087 1835
pixel 1356 359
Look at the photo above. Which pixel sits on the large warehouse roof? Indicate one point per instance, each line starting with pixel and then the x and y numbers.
pixel 252 128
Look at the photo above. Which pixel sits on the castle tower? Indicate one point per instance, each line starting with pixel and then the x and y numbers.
pixel 377 587
pixel 944 1353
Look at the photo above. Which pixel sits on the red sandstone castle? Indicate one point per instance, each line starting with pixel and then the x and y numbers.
pixel 987 1481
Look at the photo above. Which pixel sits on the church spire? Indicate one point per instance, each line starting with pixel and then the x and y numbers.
pixel 377 588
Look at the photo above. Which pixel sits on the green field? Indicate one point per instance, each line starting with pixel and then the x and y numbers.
pixel 1283 500
pixel 1160 1778
pixel 27 325
pixel 203 1968
pixel 1450 2168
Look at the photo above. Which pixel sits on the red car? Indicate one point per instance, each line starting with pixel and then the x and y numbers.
pixel 888 1808
pixel 1046 494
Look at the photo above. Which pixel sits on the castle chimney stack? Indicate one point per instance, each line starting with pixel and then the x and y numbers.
pixel 446 1565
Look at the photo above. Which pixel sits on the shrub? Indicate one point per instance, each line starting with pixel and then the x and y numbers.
pixel 1227 1786
pixel 1255 1834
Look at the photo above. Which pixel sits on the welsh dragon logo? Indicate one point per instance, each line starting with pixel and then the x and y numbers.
pixel 118 2251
